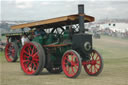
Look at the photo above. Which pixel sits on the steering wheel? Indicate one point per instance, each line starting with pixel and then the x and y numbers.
pixel 75 28
pixel 58 33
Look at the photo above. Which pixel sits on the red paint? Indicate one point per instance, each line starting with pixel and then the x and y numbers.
pixel 93 65
pixel 9 52
pixel 29 58
pixel 70 64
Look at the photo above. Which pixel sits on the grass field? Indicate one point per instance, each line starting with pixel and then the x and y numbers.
pixel 115 71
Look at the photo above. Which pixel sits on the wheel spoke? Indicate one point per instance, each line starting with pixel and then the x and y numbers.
pixel 34 54
pixel 96 57
pixel 72 58
pixel 95 67
pixel 98 60
pixel 97 64
pixel 36 60
pixel 76 67
pixel 72 70
pixel 65 63
pixel 93 57
pixel 29 50
pixel 35 66
pixel 26 65
pixel 31 66
pixel 8 49
pixel 68 60
pixel 90 68
pixel 77 64
pixel 32 50
pixel 25 56
pixel 92 54
pixel 27 69
pixel 25 52
pixel 67 68
pixel 24 61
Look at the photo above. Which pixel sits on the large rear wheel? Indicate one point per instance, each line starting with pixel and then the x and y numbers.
pixel 11 50
pixel 94 66
pixel 71 64
pixel 32 58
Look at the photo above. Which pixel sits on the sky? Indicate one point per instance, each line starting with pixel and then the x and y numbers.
pixel 45 9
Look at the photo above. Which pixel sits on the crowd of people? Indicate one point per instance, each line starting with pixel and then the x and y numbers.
pixel 109 32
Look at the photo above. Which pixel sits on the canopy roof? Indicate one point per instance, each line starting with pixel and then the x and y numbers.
pixel 55 22
pixel 13 33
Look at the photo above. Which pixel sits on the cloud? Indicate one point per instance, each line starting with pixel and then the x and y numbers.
pixel 49 2
pixel 109 9
pixel 0 11
pixel 38 10
pixel 24 3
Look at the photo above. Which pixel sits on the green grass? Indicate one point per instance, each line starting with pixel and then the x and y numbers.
pixel 113 50
pixel 114 38
pixel 2 56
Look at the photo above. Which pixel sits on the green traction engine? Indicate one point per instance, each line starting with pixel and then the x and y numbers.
pixel 13 46
pixel 65 46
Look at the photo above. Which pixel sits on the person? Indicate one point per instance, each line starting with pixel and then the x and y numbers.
pixel 24 39
pixel 39 35
pixel 31 35
pixel 39 32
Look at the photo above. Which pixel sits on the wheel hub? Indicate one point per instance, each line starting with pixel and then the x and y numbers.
pixel 93 62
pixel 30 58
pixel 69 64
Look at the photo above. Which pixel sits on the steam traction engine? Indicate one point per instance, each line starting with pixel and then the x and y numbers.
pixel 13 46
pixel 65 47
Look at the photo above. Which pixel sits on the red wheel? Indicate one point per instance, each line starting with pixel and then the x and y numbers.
pixel 71 64
pixel 11 50
pixel 95 65
pixel 32 58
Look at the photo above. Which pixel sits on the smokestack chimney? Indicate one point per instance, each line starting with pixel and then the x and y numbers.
pixel 81 17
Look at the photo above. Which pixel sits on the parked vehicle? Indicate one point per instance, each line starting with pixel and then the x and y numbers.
pixel 13 45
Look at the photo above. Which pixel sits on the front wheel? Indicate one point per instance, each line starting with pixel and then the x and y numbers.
pixel 94 66
pixel 71 64
pixel 32 58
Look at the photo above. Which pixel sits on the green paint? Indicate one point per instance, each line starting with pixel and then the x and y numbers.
pixel 38 39
pixel 50 39
pixel 66 34
pixel 59 53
